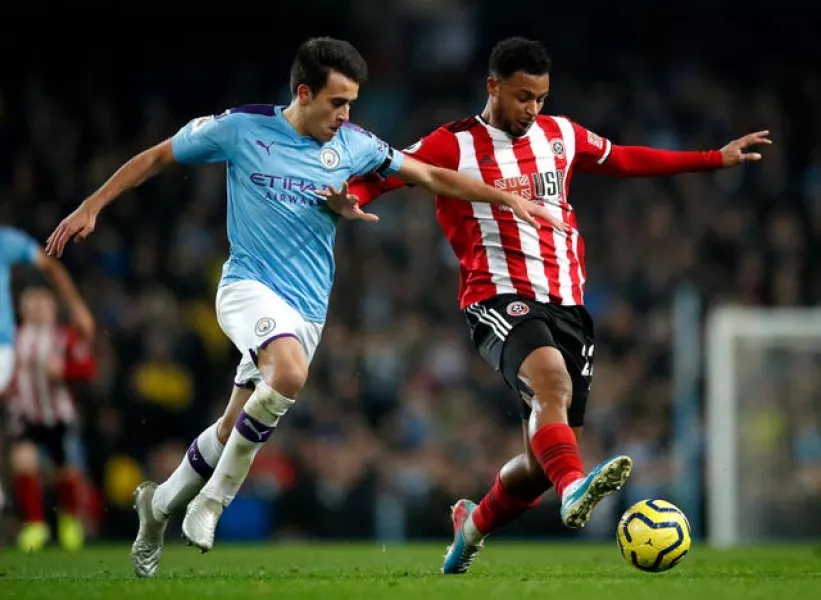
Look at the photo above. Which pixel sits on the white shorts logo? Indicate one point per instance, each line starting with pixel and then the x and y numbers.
pixel 329 158
pixel 517 309
pixel 264 326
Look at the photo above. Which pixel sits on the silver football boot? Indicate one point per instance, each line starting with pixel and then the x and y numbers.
pixel 147 548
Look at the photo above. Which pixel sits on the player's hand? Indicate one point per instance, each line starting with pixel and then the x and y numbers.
pixel 733 154
pixel 529 212
pixel 346 204
pixel 77 226
pixel 84 322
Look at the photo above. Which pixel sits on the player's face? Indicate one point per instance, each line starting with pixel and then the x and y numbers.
pixel 38 307
pixel 517 100
pixel 329 108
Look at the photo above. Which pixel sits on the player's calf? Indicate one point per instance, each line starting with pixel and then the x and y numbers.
pixel 554 443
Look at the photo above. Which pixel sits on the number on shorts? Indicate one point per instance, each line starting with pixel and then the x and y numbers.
pixel 587 355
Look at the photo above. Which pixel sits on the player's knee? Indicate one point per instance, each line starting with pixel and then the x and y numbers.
pixel 23 458
pixel 283 366
pixel 288 378
pixel 549 379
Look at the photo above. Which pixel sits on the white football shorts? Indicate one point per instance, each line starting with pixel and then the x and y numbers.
pixel 6 367
pixel 252 316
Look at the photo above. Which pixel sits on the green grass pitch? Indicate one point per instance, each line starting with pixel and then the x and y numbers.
pixel 503 571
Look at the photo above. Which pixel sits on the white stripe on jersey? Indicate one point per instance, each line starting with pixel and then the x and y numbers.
pixel 482 212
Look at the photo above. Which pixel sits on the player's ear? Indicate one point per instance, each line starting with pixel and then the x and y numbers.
pixel 303 92
pixel 492 85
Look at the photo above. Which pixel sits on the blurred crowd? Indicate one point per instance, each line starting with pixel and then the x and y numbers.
pixel 401 416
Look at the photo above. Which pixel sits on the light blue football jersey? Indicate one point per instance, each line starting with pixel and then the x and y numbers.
pixel 16 248
pixel 280 232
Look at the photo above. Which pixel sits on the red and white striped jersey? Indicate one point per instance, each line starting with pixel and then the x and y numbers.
pixel 45 357
pixel 499 253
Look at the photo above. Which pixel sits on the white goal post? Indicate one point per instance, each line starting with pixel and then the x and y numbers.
pixel 757 365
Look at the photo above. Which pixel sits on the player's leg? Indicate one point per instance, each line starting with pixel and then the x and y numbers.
pixel 547 373
pixel 499 340
pixel 281 344
pixel 28 492
pixel 284 370
pixel 68 488
pixel 202 456
pixel 156 503
pixel 518 487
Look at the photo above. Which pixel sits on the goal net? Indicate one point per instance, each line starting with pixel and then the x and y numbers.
pixel 763 419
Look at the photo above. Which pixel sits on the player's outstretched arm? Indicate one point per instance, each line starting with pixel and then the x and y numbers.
pixel 80 223
pixel 643 161
pixel 59 278
pixel 452 184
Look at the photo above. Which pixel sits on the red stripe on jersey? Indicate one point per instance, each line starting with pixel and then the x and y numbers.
pixel 508 228
pixel 457 216
pixel 553 132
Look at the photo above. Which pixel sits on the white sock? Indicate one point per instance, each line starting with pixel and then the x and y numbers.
pixel 471 533
pixel 254 426
pixel 187 480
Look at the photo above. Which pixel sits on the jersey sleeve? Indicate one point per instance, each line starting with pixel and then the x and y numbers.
pixel 439 149
pixel 207 139
pixel 17 248
pixel 371 154
pixel 80 363
pixel 591 149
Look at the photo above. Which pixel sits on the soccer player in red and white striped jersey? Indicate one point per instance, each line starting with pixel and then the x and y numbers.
pixel 511 273
pixel 41 411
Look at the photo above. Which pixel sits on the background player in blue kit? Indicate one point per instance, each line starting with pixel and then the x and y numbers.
pixel 273 296
pixel 18 248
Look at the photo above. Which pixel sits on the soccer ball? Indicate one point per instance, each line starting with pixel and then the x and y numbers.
pixel 653 535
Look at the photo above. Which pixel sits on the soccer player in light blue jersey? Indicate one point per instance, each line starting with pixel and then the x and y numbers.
pixel 273 296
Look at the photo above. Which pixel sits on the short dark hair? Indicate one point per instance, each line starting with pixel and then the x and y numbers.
pixel 317 57
pixel 519 54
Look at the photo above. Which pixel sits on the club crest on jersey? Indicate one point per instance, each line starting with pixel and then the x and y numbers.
pixel 413 147
pixel 330 158
pixel 264 326
pixel 517 309
pixel 558 147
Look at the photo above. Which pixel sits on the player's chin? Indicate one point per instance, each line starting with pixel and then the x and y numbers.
pixel 520 128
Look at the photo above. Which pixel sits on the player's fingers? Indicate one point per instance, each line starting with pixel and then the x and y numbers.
pixel 751 157
pixel 528 218
pixel 365 216
pixel 60 241
pixel 345 188
pixel 323 193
